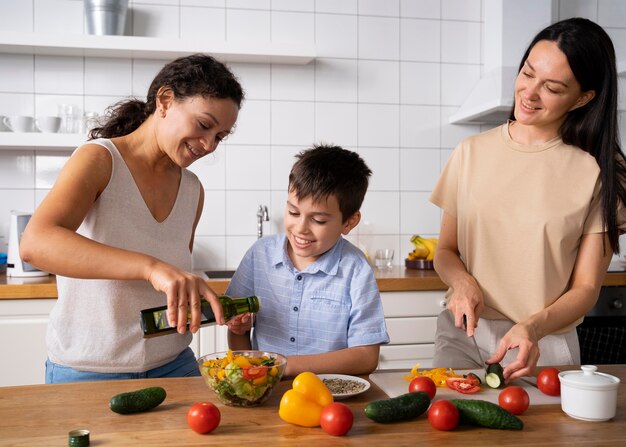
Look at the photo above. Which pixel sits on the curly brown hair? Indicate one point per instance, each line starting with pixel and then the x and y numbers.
pixel 194 75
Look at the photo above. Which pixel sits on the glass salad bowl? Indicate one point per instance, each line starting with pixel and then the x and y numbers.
pixel 242 378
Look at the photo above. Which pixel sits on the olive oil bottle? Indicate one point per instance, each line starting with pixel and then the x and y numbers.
pixel 154 320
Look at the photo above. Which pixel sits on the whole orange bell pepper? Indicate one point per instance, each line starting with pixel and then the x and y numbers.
pixel 303 403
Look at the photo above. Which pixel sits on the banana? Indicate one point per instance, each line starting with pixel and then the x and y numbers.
pixel 424 248
pixel 420 252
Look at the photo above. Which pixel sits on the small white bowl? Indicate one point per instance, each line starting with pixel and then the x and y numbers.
pixel 589 395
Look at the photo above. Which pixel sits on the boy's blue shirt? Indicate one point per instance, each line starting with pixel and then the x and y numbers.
pixel 333 304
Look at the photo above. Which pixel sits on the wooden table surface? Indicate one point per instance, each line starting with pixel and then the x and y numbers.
pixel 42 415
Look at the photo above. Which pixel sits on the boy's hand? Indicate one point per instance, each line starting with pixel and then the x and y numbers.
pixel 241 324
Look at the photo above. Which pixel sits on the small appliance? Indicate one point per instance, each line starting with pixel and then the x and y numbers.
pixel 15 265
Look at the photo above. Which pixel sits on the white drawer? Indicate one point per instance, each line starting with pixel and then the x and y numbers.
pixel 413 304
pixel 411 330
pixel 406 356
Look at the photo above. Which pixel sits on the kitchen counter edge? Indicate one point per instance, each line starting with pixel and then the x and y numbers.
pixel 393 280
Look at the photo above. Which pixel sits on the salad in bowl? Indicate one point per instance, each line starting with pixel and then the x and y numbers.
pixel 242 378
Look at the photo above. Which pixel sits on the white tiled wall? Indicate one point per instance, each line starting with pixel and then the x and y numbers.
pixel 388 74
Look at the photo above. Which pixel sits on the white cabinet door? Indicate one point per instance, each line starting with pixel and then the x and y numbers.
pixel 413 304
pixel 23 325
pixel 406 356
pixel 411 319
pixel 210 338
pixel 403 331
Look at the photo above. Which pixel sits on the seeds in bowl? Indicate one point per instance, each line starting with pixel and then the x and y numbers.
pixel 343 386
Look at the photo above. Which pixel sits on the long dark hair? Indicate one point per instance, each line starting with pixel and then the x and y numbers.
pixel 188 76
pixel 593 127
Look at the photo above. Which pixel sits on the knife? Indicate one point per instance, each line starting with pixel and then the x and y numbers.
pixel 474 340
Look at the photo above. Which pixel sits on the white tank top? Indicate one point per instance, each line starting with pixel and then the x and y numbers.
pixel 94 326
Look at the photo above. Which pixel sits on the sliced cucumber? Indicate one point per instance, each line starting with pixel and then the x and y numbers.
pixel 495 368
pixel 495 375
pixel 494 380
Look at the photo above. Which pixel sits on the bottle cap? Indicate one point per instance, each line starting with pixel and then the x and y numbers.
pixel 78 438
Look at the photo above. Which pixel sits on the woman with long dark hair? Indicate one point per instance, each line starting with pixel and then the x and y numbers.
pixel 118 226
pixel 531 209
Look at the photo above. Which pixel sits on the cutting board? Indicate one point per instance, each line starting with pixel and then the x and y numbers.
pixel 394 384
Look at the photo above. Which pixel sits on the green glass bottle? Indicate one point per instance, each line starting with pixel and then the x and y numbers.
pixel 154 320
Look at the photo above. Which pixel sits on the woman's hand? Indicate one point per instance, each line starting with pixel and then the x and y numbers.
pixel 466 300
pixel 241 324
pixel 523 337
pixel 467 297
pixel 184 292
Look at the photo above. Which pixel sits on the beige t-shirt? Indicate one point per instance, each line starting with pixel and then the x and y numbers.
pixel 521 212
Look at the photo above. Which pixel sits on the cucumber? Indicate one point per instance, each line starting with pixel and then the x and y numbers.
pixel 495 375
pixel 401 408
pixel 137 401
pixel 494 380
pixel 486 414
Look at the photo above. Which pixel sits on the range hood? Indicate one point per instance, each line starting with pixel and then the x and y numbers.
pixel 508 28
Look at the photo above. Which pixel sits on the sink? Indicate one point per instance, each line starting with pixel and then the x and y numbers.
pixel 219 274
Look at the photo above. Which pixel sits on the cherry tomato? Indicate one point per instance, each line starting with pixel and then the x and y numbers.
pixel 548 382
pixel 203 417
pixel 443 415
pixel 465 385
pixel 254 372
pixel 514 399
pixel 424 384
pixel 336 419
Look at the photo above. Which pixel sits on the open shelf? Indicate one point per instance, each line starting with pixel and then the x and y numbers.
pixel 40 141
pixel 152 48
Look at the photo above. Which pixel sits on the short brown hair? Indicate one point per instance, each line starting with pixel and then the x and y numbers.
pixel 326 170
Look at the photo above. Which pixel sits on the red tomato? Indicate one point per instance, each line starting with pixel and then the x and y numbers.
pixel 424 384
pixel 548 382
pixel 336 419
pixel 443 415
pixel 514 399
pixel 254 372
pixel 203 417
pixel 465 385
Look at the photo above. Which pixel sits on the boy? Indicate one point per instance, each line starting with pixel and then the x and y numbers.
pixel 320 304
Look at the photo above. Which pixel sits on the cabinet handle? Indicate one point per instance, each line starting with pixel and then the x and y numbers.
pixel 443 303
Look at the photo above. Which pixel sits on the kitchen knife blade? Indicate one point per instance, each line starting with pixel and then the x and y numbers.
pixel 474 340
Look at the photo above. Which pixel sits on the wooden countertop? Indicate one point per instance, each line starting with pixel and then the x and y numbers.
pixel 395 279
pixel 41 415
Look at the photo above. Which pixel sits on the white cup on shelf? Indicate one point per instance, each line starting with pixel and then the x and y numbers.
pixel 19 123
pixel 48 124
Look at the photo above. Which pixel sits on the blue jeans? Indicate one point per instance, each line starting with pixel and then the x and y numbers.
pixel 184 365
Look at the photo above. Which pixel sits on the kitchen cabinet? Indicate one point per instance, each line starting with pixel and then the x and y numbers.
pixel 209 339
pixel 23 325
pixel 411 319
pixel 133 47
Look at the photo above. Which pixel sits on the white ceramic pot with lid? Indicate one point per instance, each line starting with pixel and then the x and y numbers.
pixel 589 395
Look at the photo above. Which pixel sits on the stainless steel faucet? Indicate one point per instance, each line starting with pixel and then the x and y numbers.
pixel 261 215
